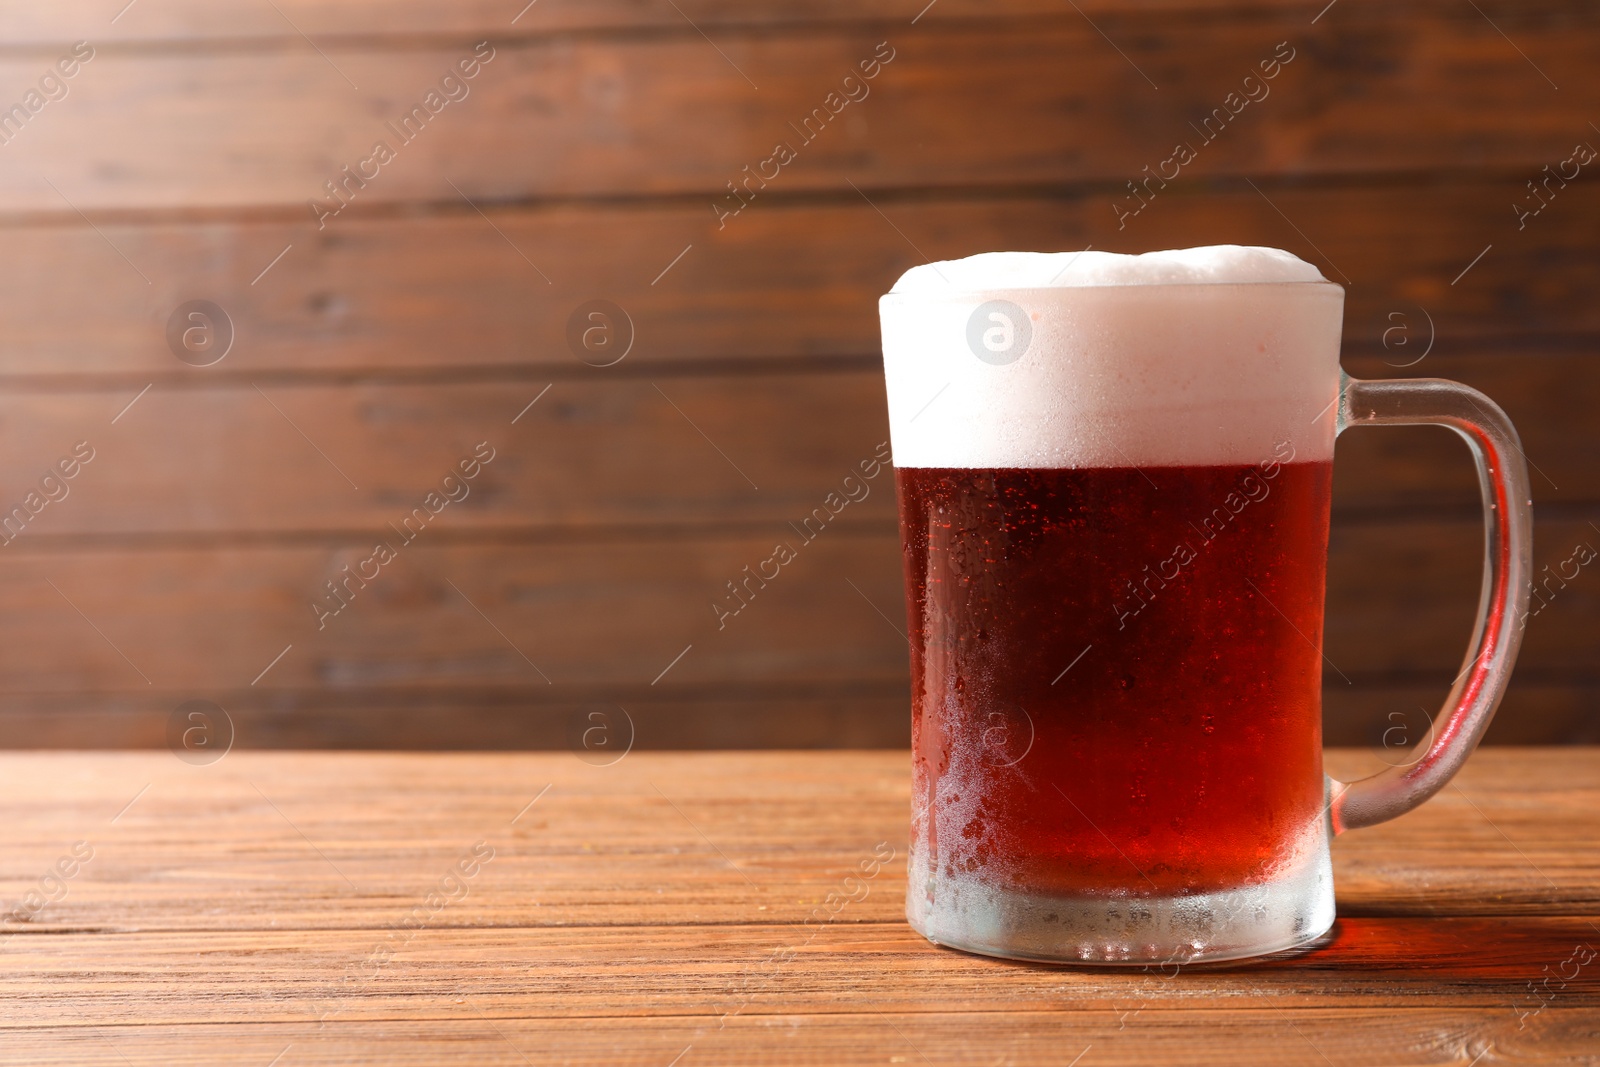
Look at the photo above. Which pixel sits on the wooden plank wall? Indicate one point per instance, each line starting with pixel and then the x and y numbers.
pixel 386 336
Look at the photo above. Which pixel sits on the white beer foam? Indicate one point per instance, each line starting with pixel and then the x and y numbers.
pixel 1213 264
pixel 1191 357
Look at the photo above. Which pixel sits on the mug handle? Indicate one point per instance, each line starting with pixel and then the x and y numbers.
pixel 1502 609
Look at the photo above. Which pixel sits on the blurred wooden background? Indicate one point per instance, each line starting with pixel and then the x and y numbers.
pixel 584 164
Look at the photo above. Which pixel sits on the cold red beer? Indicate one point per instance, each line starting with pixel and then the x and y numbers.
pixel 1190 722
pixel 1114 476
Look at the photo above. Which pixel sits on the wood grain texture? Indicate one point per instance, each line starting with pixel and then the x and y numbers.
pixel 182 22
pixel 123 636
pixel 295 976
pixel 588 614
pixel 1381 713
pixel 631 912
pixel 1277 1035
pixel 784 280
pixel 580 117
pixel 1539 706
pixel 563 456
pixel 681 452
pixel 783 713
pixel 373 354
pixel 591 612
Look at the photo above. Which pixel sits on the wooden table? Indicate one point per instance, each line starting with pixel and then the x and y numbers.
pixel 289 908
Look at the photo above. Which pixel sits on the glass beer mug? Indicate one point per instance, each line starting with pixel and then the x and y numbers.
pixel 1114 477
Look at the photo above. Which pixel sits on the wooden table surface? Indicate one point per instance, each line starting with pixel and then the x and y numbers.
pixel 317 908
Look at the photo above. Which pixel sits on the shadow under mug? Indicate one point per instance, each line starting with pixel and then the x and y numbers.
pixel 1114 510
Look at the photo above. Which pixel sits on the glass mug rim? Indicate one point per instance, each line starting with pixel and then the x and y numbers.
pixel 1057 290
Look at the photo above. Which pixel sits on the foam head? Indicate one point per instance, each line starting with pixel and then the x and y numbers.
pixel 1191 357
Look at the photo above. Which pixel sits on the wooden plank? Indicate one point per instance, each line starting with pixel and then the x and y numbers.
pixel 1384 715
pixel 645 454
pixel 1122 1034
pixel 389 297
pixel 1412 469
pixel 597 612
pixel 600 612
pixel 584 117
pixel 300 976
pixel 195 21
pixel 620 846
pixel 660 906
pixel 1402 598
pixel 1387 717
pixel 592 722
